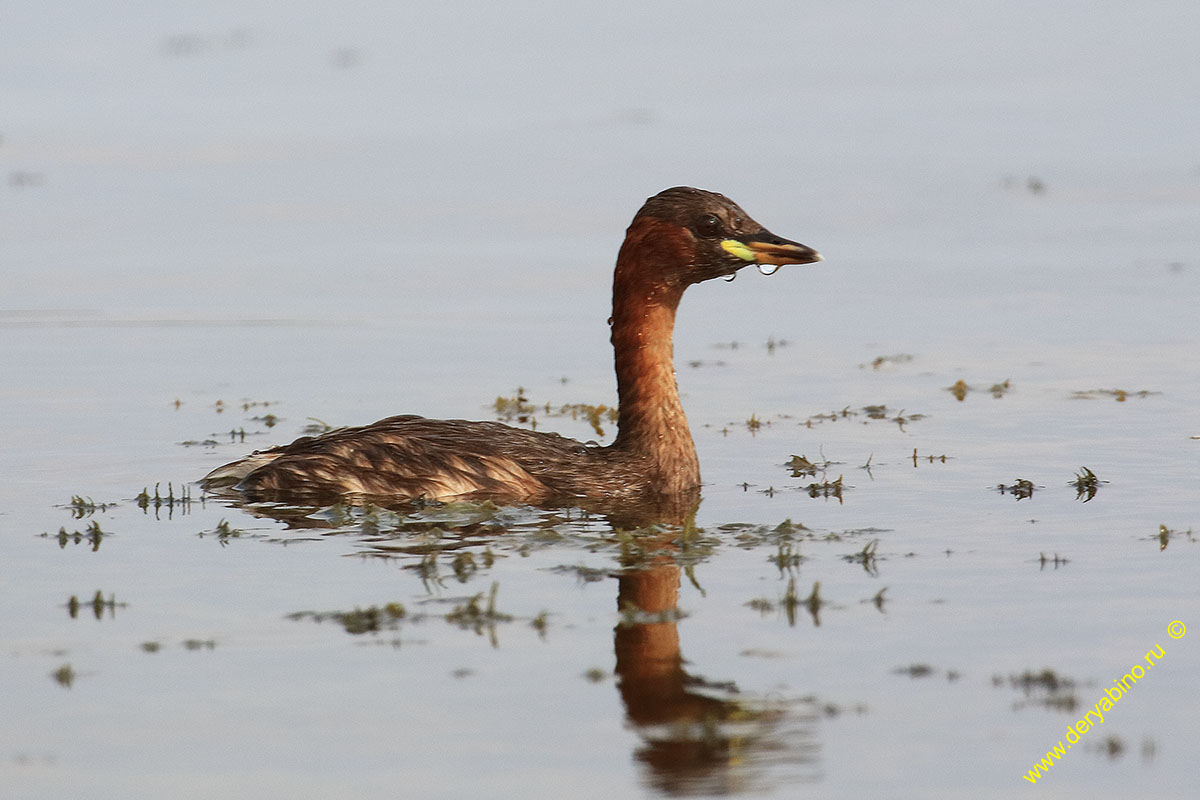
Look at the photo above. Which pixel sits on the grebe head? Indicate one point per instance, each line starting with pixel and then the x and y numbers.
pixel 707 235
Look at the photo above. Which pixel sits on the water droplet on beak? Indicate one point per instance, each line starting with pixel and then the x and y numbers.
pixel 768 269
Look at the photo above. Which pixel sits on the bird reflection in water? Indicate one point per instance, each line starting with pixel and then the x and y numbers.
pixel 697 736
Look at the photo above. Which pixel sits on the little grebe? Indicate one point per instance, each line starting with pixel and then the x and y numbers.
pixel 679 237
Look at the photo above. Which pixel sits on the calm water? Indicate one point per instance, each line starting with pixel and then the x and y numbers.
pixel 212 217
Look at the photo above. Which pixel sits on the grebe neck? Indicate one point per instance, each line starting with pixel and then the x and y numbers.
pixel 651 425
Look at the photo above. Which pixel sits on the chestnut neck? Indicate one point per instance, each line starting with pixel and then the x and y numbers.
pixel 651 426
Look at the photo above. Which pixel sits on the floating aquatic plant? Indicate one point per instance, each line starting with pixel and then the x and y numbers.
pixel 826 489
pixel 1020 489
pixel 865 557
pixel 224 532
pixel 1120 395
pixel 98 605
pixel 171 501
pixel 802 467
pixel 1055 561
pixel 930 457
pixel 960 389
pixel 1086 484
pixel 81 506
pixel 372 619
pixel 880 361
pixel 521 410
pixel 1166 536
pixel 315 427
pixel 1044 687
pixel 64 676
pixel 787 558
pixel 792 601
pixel 879 411
pixel 915 671
pixel 474 616
pixel 92 534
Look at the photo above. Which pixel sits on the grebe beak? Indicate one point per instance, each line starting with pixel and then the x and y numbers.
pixel 767 248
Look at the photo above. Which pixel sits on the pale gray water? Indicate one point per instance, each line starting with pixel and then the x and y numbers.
pixel 370 210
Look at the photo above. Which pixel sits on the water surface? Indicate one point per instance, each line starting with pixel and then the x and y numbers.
pixel 209 218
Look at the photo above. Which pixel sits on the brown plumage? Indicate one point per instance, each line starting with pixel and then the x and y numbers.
pixel 679 237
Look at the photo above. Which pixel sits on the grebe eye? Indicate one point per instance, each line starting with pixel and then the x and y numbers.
pixel 709 226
